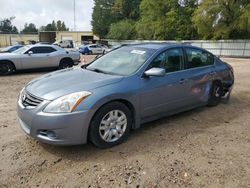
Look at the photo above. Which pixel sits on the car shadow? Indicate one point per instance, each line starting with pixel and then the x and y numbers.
pixel 34 71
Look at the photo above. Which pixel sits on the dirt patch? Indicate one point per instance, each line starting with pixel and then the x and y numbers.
pixel 205 147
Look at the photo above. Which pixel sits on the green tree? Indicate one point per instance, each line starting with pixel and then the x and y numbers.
pixel 102 17
pixel 166 20
pixel 126 9
pixel 223 19
pixel 54 26
pixel 63 27
pixel 42 28
pixel 7 27
pixel 29 28
pixel 49 27
pixel 244 20
pixel 59 25
pixel 123 30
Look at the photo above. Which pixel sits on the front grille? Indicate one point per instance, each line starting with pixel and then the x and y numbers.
pixel 30 101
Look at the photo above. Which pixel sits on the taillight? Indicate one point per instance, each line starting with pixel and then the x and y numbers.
pixel 230 67
pixel 231 70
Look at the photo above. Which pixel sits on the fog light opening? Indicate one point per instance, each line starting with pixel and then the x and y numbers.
pixel 51 134
pixel 47 133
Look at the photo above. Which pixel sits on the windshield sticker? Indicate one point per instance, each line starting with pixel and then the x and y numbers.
pixel 140 52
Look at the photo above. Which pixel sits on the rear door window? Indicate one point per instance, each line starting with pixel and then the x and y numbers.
pixel 93 46
pixel 47 50
pixel 198 58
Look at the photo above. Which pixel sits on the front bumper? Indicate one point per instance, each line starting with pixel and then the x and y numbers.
pixel 56 129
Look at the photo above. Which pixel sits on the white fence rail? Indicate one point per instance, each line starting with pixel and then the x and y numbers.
pixel 229 48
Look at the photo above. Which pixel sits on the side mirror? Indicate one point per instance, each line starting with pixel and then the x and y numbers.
pixel 159 72
pixel 30 52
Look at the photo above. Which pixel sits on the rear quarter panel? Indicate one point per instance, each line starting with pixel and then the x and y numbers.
pixel 74 55
pixel 223 73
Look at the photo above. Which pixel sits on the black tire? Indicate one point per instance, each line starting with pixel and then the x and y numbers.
pixel 90 53
pixel 6 68
pixel 94 132
pixel 215 94
pixel 103 52
pixel 65 63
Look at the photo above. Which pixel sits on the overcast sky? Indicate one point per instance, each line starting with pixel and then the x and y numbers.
pixel 42 12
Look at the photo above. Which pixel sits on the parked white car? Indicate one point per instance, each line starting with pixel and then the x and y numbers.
pixel 93 49
pixel 37 56
pixel 64 43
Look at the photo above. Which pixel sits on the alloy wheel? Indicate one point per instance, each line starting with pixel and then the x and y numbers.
pixel 5 69
pixel 113 125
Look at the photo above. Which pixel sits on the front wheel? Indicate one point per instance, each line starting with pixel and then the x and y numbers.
pixel 215 94
pixel 6 68
pixel 110 125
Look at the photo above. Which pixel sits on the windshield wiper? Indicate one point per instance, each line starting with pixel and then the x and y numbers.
pixel 98 70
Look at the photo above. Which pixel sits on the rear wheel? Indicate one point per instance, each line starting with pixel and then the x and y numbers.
pixel 215 94
pixel 65 63
pixel 111 125
pixel 6 68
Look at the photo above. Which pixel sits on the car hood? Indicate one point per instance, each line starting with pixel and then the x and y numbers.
pixel 6 55
pixel 60 83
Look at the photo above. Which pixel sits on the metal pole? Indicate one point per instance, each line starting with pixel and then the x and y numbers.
pixel 244 50
pixel 220 48
pixel 74 15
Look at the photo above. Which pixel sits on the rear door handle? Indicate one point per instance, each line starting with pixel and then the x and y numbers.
pixel 212 73
pixel 182 81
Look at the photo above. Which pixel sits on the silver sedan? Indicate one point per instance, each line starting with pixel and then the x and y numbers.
pixel 37 56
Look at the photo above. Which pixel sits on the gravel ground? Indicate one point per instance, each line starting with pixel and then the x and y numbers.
pixel 205 147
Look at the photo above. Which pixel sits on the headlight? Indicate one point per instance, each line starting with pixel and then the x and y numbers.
pixel 21 94
pixel 67 103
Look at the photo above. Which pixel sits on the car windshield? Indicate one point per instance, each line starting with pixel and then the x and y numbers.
pixel 123 61
pixel 21 50
pixel 6 49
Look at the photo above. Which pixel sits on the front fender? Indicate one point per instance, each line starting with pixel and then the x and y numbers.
pixel 104 95
pixel 16 62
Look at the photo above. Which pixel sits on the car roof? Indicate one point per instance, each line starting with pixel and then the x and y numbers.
pixel 44 45
pixel 158 46
pixel 16 45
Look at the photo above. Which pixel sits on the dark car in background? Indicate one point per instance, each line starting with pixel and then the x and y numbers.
pixel 120 91
pixel 10 49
